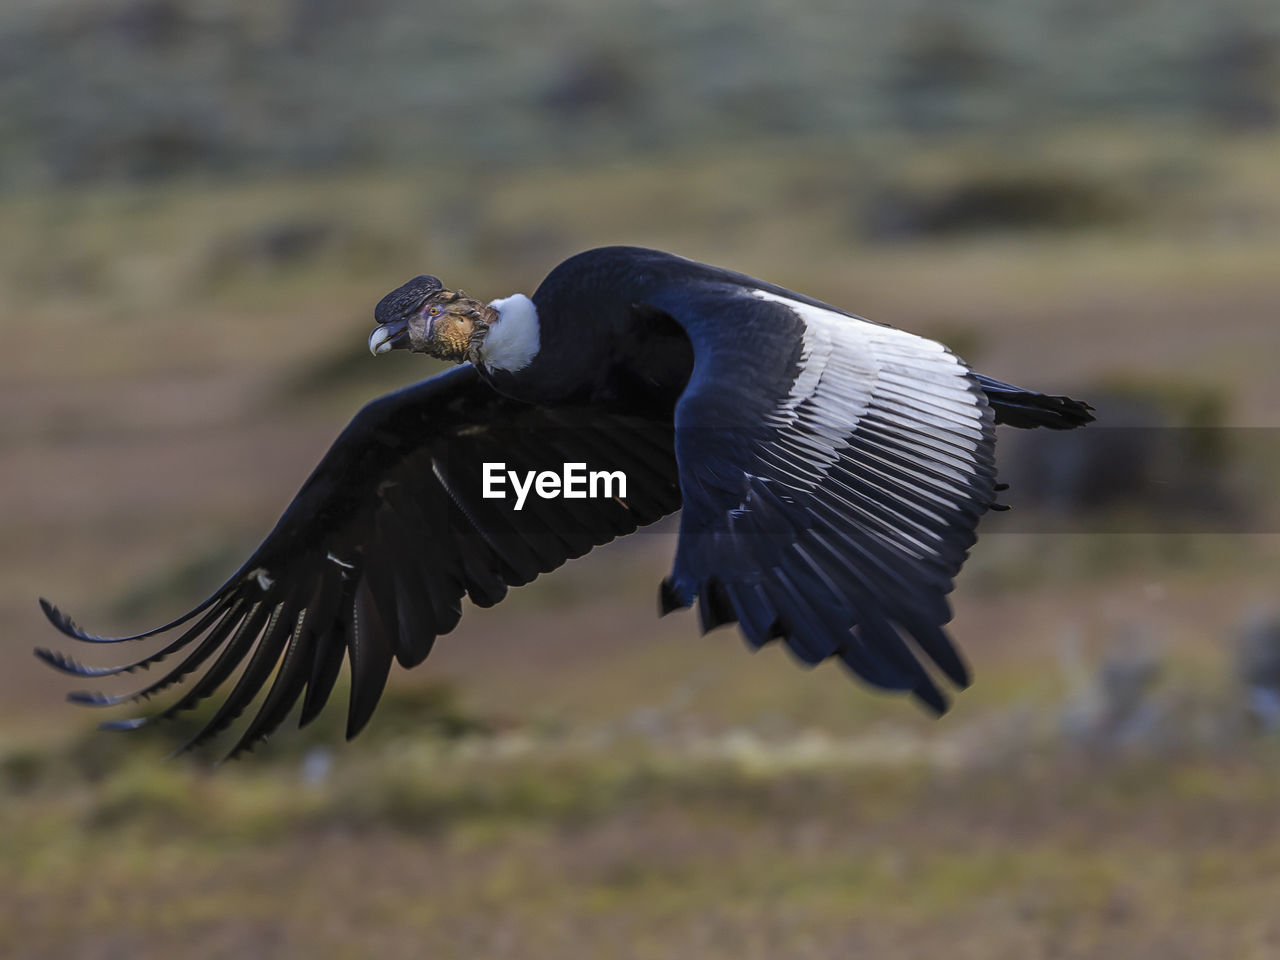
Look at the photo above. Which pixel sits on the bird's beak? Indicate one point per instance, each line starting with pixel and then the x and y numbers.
pixel 389 336
pixel 446 327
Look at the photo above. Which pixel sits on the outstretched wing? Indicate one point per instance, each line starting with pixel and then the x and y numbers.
pixel 833 471
pixel 372 558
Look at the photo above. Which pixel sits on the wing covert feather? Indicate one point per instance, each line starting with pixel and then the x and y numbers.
pixel 834 471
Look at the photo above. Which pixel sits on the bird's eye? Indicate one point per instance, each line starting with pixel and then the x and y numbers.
pixel 433 310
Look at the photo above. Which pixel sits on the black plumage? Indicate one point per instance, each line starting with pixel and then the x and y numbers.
pixel 832 472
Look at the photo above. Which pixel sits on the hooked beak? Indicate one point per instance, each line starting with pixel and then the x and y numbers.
pixel 388 336
pixel 447 324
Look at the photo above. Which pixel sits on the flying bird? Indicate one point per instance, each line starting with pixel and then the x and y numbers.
pixel 830 470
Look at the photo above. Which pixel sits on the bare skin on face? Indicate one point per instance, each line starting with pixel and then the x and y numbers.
pixel 448 325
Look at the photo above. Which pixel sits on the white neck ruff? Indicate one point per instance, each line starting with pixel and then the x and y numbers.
pixel 512 341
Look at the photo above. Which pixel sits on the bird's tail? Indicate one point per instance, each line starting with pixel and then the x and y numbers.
pixel 1026 408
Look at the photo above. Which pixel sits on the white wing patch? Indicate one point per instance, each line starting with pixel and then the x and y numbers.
pixel 881 420
pixel 513 341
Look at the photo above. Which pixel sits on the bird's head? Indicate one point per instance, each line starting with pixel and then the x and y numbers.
pixel 424 317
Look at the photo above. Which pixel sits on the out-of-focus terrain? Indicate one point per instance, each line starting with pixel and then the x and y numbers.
pixel 568 775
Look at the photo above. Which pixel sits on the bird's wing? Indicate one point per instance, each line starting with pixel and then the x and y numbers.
pixel 833 472
pixel 372 558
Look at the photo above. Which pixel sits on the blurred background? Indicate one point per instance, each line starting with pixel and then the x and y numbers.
pixel 201 200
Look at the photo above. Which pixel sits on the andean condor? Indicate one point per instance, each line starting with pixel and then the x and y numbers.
pixel 831 472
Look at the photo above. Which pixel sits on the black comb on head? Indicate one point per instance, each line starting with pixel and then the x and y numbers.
pixel 405 299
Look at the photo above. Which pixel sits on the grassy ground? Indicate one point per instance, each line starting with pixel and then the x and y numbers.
pixel 602 783
pixel 508 846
